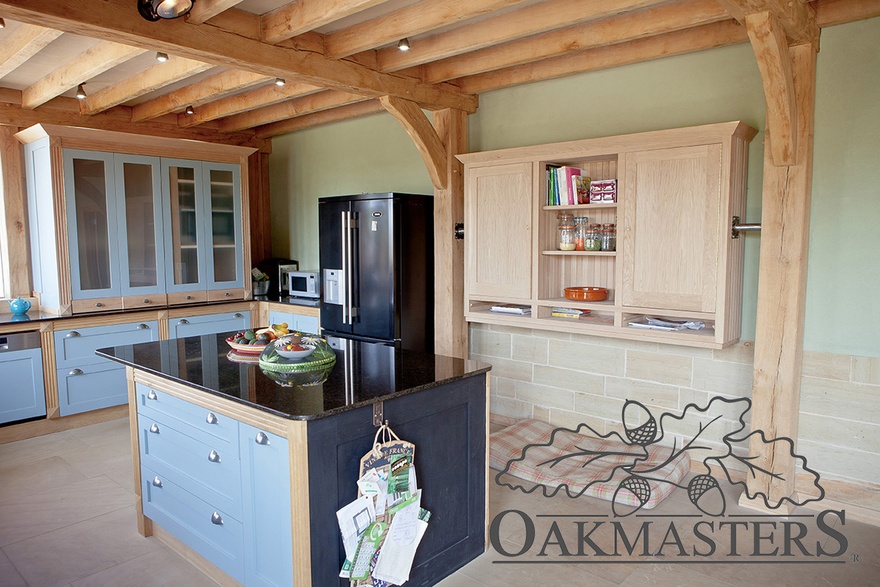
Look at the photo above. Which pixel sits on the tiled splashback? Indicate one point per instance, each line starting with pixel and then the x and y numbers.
pixel 571 379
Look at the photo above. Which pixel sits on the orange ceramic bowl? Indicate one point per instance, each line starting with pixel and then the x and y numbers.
pixel 586 294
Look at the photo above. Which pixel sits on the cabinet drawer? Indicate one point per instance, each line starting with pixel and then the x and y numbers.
pixel 95 305
pixel 209 471
pixel 208 530
pixel 91 387
pixel 187 297
pixel 76 347
pixel 21 392
pixel 145 301
pixel 225 295
pixel 208 324
pixel 204 425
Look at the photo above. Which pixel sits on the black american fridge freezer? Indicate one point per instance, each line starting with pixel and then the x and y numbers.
pixel 377 267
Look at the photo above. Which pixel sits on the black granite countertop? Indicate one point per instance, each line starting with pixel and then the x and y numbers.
pixel 364 373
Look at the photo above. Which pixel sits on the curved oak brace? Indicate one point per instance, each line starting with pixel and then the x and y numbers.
pixel 423 135
pixel 771 50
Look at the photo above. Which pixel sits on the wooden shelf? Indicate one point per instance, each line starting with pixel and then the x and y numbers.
pixel 556 252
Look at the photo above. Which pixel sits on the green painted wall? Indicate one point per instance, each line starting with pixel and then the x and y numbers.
pixel 374 154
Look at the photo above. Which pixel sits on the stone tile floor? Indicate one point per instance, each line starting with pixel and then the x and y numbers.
pixel 67 519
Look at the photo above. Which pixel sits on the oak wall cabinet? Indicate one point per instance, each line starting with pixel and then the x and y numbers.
pixel 675 259
pixel 117 222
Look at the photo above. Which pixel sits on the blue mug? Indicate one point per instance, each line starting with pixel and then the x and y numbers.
pixel 19 307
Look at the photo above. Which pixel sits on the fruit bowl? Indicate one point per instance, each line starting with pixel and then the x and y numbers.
pixel 294 347
pixel 244 345
pixel 586 294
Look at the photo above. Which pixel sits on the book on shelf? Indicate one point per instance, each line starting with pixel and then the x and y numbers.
pixel 561 190
pixel 573 313
pixel 580 187
pixel 511 309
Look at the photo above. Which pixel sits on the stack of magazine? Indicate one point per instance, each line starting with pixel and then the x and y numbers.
pixel 511 309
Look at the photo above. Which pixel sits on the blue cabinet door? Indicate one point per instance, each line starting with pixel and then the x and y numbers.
pixel 21 390
pixel 91 387
pixel 266 495
pixel 76 347
pixel 223 231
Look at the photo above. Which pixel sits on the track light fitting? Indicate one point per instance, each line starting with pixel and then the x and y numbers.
pixel 279 81
pixel 403 44
pixel 161 57
pixel 154 10
pixel 190 110
pixel 2 24
pixel 80 92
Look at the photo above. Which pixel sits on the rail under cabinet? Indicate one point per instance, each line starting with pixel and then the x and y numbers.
pixel 268 517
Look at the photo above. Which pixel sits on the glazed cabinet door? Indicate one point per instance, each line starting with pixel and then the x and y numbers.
pixel 90 197
pixel 139 210
pixel 498 221
pixel 670 242
pixel 224 226
pixel 184 225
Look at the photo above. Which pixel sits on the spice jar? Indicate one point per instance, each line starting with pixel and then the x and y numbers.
pixel 580 232
pixel 609 237
pixel 593 241
pixel 566 231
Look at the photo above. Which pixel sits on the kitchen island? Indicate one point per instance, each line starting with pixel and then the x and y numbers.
pixel 242 470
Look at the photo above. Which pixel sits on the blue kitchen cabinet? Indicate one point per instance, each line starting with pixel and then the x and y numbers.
pixel 266 495
pixel 208 324
pixel 295 321
pixel 21 392
pixel 86 381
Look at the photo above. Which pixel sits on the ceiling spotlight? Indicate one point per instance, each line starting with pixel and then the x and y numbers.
pixel 161 57
pixel 80 92
pixel 403 44
pixel 155 9
pixel 279 81
pixel 190 110
pixel 2 24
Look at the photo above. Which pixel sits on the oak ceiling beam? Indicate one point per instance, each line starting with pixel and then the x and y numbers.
pixel 352 111
pixel 407 22
pixel 206 9
pixel 302 16
pixel 797 17
pixel 530 20
pixel 207 90
pixel 153 78
pixel 256 98
pixel 664 18
pixel 288 109
pixel 770 45
pixel 98 59
pixel 708 36
pixel 22 44
pixel 423 134
pixel 65 111
pixel 119 22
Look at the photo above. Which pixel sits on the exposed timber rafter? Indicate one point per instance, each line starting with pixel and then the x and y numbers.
pixel 306 15
pixel 420 130
pixel 119 22
pixel 206 9
pixel 797 17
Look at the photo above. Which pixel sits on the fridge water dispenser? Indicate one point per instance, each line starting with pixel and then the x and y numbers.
pixel 333 286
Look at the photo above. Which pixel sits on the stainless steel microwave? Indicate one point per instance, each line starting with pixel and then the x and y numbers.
pixel 304 284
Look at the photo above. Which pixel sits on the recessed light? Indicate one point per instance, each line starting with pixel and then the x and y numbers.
pixel 161 57
pixel 279 81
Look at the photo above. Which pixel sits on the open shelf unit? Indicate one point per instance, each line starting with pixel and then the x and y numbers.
pixel 677 192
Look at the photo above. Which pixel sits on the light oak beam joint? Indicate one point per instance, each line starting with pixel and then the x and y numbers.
pixel 774 62
pixel 423 135
pixel 797 18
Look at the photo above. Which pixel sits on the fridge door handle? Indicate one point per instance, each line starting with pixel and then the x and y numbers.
pixel 343 287
pixel 348 267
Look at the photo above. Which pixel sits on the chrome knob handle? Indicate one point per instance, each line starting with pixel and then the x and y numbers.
pixel 217 519
pixel 237 315
pixel 262 438
pixel 146 300
pixel 99 305
pixel 214 456
pixel 143 326
pixel 211 419
pixel 157 482
pixel 183 321
pixel 228 295
pixel 189 297
pixel 152 395
pixel 75 372
pixel 72 334
pixel 154 428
